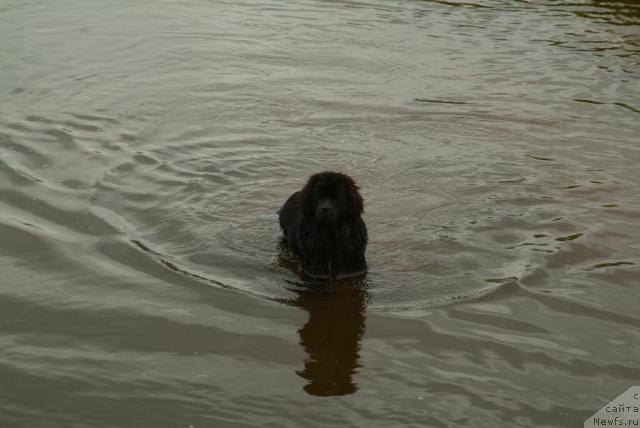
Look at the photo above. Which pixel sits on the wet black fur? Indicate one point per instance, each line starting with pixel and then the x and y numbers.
pixel 322 224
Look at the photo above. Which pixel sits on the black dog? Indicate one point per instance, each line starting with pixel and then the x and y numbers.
pixel 323 226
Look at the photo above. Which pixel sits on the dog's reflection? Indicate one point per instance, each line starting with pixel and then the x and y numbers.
pixel 331 337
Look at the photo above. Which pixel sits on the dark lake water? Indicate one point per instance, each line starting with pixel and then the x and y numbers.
pixel 146 146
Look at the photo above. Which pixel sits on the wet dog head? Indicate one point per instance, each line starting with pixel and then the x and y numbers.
pixel 331 197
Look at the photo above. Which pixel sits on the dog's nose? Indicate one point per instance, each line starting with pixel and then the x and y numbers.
pixel 325 209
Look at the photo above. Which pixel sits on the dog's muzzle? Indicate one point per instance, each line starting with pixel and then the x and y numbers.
pixel 326 211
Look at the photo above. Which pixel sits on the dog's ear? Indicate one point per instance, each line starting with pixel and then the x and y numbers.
pixel 305 198
pixel 357 205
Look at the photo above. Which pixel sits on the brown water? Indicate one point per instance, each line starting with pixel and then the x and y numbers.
pixel 145 148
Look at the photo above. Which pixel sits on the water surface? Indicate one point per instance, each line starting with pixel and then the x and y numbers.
pixel 145 148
